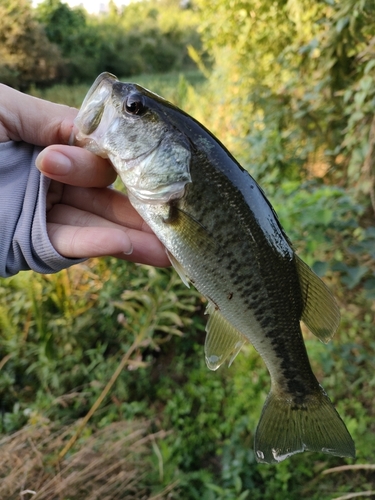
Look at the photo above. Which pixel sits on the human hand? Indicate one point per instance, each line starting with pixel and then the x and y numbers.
pixel 85 218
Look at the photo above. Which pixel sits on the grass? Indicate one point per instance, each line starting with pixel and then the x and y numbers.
pixel 112 462
pixel 171 86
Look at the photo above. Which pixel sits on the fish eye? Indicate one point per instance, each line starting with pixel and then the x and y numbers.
pixel 134 105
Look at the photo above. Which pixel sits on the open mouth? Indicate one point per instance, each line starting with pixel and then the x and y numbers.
pixel 104 79
pixel 93 107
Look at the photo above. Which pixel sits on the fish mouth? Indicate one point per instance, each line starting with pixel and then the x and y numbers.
pixel 103 81
pixel 91 112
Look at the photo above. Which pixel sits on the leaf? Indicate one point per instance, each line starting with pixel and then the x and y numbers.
pixel 320 268
pixel 369 66
pixel 369 288
pixel 366 83
pixel 215 488
pixel 244 495
pixel 354 276
pixel 342 23
pixel 360 97
pixel 356 116
pixel 237 484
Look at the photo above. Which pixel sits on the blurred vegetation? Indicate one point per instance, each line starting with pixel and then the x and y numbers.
pixel 55 43
pixel 26 55
pixel 289 88
pixel 297 85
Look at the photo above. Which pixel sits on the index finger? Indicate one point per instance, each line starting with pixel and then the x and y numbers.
pixel 33 120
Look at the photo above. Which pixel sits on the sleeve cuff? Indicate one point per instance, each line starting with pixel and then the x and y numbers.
pixel 46 258
pixel 25 244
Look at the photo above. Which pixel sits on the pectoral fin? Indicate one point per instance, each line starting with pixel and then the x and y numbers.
pixel 320 314
pixel 191 231
pixel 223 341
pixel 178 268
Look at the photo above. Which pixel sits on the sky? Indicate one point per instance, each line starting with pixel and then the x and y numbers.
pixel 92 6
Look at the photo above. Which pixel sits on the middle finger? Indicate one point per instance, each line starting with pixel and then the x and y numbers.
pixel 107 203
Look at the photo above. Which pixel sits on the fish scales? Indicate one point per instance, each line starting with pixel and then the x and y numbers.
pixel 223 236
pixel 250 282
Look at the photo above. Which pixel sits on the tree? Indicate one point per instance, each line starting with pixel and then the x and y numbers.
pixel 26 55
pixel 79 44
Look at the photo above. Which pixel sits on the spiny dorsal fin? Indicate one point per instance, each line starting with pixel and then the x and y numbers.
pixel 223 341
pixel 320 313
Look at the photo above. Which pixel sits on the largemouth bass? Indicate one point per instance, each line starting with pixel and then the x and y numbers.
pixel 223 236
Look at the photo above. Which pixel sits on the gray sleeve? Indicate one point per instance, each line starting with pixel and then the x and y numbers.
pixel 24 242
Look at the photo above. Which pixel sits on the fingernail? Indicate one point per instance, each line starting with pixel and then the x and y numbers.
pixel 52 162
pixel 129 251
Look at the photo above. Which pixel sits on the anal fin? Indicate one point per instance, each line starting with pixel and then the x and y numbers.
pixel 223 341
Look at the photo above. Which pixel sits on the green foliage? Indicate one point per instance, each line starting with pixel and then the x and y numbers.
pixel 296 79
pixel 117 42
pixel 54 42
pixel 26 55
pixel 180 88
pixel 61 93
pixel 68 29
pixel 72 329
pixel 157 44
pixel 291 94
pixel 64 335
pixel 322 221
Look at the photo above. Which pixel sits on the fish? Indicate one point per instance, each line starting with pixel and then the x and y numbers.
pixel 223 236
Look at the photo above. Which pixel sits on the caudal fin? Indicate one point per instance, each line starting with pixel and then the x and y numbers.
pixel 286 428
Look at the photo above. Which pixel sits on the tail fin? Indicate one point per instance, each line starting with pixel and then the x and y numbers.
pixel 286 428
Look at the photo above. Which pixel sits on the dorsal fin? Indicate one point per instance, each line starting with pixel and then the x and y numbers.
pixel 223 341
pixel 320 313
